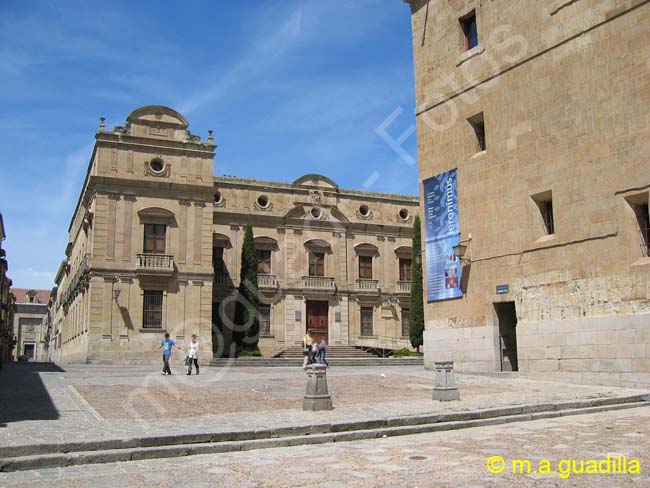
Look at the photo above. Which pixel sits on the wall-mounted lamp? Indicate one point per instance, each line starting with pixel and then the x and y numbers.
pixel 460 249
pixel 116 293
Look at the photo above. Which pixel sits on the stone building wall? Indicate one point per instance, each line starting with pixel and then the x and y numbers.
pixel 153 170
pixel 564 90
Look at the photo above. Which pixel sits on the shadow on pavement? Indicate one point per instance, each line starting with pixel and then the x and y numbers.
pixel 23 396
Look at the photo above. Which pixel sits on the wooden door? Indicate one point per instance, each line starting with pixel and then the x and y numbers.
pixel 317 320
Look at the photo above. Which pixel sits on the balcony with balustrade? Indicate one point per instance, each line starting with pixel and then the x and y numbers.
pixel 404 286
pixel 367 285
pixel 267 281
pixel 222 280
pixel 319 283
pixel 155 264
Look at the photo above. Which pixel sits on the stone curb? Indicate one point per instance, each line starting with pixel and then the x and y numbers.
pixel 71 454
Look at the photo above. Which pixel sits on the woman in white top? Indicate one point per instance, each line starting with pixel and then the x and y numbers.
pixel 193 355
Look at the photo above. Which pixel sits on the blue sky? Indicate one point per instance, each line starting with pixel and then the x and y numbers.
pixel 289 87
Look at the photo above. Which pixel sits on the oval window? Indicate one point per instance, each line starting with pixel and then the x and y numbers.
pixel 263 201
pixel 157 165
pixel 217 197
pixel 364 211
pixel 404 214
pixel 316 212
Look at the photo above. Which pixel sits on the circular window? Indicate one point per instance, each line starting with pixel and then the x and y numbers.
pixel 404 214
pixel 364 210
pixel 316 212
pixel 157 165
pixel 263 201
pixel 217 197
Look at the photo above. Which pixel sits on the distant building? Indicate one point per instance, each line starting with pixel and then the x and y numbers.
pixel 6 301
pixel 155 245
pixel 543 111
pixel 30 324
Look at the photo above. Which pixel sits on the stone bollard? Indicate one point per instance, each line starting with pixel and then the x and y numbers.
pixel 317 396
pixel 445 388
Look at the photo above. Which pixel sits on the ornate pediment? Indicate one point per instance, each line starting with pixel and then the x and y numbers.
pixel 316 181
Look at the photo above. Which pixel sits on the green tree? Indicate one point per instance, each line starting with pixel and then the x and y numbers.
pixel 247 325
pixel 416 318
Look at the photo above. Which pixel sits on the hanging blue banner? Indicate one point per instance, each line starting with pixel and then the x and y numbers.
pixel 441 234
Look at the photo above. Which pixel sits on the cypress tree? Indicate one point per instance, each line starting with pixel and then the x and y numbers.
pixel 416 318
pixel 247 322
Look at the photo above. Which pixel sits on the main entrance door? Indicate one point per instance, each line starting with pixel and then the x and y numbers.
pixel 317 320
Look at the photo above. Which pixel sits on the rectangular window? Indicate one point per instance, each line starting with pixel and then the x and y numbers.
pixel 406 315
pixel 365 267
pixel 152 307
pixel 316 264
pixel 405 269
pixel 264 312
pixel 547 214
pixel 470 30
pixel 478 124
pixel 154 238
pixel 217 261
pixel 263 261
pixel 366 321
pixel 544 202
pixel 643 220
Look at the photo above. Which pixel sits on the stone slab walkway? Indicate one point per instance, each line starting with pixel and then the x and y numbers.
pixel 87 403
pixel 442 459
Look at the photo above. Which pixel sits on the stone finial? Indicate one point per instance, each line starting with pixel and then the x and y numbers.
pixel 102 125
pixel 317 396
pixel 210 136
pixel 445 388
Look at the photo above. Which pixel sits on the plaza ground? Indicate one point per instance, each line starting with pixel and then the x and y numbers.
pixel 442 459
pixel 41 404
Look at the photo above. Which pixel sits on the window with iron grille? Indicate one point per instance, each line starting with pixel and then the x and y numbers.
pixel 366 321
pixel 264 312
pixel 263 261
pixel 405 269
pixel 470 30
pixel 406 315
pixel 217 261
pixel 154 238
pixel 152 309
pixel 316 264
pixel 365 267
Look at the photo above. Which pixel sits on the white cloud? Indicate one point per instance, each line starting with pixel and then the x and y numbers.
pixel 265 50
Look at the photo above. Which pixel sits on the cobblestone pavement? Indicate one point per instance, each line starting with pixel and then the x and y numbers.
pixel 442 459
pixel 92 402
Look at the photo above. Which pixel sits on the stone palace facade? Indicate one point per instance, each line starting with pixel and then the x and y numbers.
pixel 543 109
pixel 155 245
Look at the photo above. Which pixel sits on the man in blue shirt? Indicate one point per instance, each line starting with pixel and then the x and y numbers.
pixel 166 345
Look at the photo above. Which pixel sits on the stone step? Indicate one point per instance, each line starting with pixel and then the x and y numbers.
pixel 39 456
pixel 295 352
pixel 297 362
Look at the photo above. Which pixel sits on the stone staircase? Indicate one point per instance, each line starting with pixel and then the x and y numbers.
pixel 336 356
pixel 334 352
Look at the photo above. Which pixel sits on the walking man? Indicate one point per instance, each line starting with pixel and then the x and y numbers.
pixel 166 345
pixel 193 355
